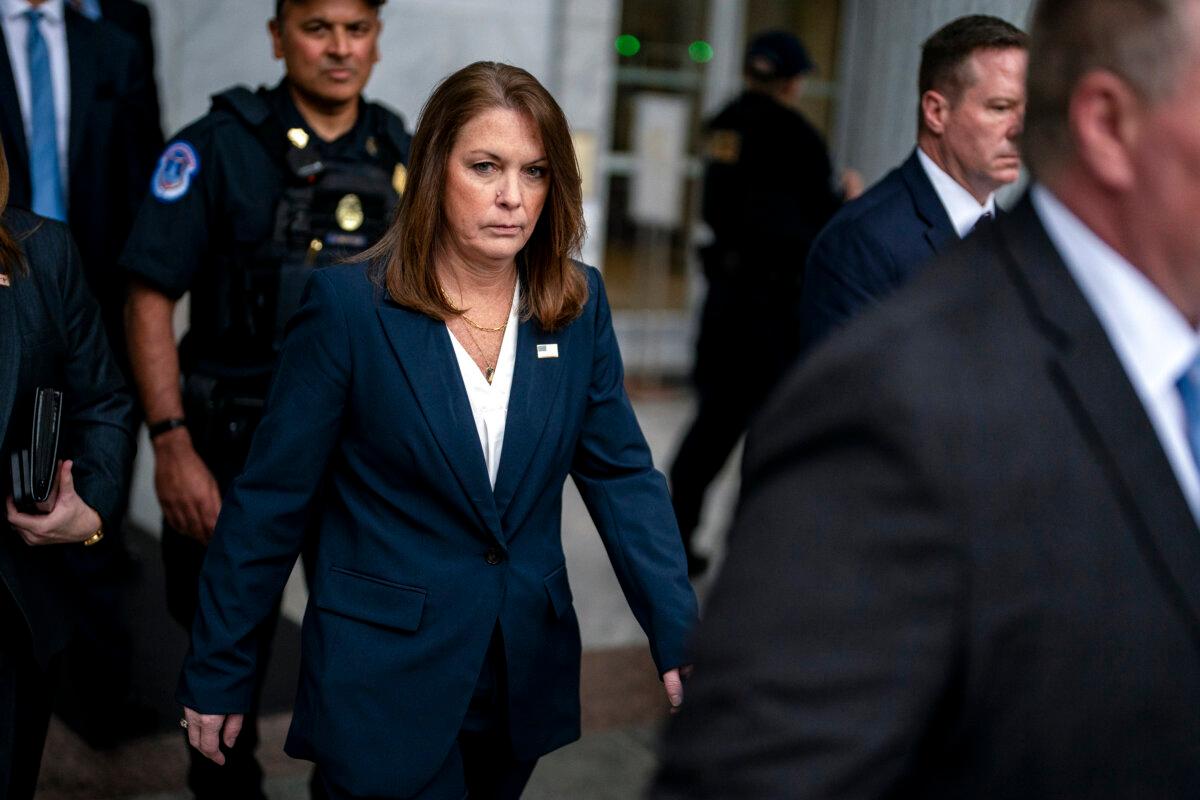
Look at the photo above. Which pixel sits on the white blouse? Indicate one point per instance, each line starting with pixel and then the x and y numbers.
pixel 489 401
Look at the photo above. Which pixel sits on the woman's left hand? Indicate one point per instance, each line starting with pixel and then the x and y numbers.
pixel 673 683
pixel 66 518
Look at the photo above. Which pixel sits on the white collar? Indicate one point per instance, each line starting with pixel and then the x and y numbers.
pixel 961 206
pixel 52 11
pixel 1151 336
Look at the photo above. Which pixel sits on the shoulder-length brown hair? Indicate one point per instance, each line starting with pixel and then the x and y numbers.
pixel 12 260
pixel 554 288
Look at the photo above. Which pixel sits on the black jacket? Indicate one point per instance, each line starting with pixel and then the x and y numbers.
pixel 50 335
pixel 962 565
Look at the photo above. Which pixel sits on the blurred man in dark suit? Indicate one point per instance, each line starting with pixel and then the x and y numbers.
pixel 972 100
pixel 132 17
pixel 967 559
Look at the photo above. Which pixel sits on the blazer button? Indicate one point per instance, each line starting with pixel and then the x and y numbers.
pixel 493 556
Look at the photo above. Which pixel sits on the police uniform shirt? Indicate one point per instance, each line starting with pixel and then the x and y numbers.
pixel 768 183
pixel 215 190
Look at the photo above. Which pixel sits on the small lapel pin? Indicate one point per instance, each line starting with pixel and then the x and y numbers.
pixel 547 351
pixel 3 279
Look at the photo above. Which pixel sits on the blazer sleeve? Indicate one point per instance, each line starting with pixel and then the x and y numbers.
pixel 629 502
pixel 98 416
pixel 835 633
pixel 263 520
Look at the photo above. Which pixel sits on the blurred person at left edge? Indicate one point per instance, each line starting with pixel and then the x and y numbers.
pixel 50 336
pixel 79 115
pixel 429 403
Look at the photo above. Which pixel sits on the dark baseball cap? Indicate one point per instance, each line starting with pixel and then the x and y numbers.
pixel 776 54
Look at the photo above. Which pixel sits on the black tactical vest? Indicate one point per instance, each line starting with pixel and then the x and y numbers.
pixel 329 211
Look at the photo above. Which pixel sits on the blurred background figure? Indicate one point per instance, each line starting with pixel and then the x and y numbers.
pixel 768 190
pixel 972 102
pixel 50 337
pixel 79 111
pixel 245 204
pixel 966 555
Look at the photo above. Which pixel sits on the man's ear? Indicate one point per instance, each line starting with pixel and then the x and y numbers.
pixel 935 107
pixel 276 31
pixel 1106 120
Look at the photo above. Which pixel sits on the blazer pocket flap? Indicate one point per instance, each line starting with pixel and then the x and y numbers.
pixel 370 599
pixel 559 590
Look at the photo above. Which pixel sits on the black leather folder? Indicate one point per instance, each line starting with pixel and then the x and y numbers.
pixel 34 468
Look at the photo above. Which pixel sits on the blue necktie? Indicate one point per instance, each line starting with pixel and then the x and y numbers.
pixel 44 171
pixel 1189 391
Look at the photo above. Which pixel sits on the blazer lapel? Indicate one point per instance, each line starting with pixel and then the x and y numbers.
pixel 939 231
pixel 1092 378
pixel 422 345
pixel 12 124
pixel 10 356
pixel 530 403
pixel 84 58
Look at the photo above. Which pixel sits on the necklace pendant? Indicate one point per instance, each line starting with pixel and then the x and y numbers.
pixel 490 372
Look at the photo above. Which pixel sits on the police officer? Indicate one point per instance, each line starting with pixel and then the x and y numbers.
pixel 244 204
pixel 768 190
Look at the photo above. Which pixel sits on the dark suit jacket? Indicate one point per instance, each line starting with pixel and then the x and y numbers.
pixel 113 143
pixel 872 246
pixel 419 559
pixel 50 335
pixel 962 567
pixel 134 18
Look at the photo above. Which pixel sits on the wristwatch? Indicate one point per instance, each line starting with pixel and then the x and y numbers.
pixel 157 429
pixel 95 537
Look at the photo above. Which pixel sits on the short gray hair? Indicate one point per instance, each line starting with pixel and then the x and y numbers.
pixel 1143 42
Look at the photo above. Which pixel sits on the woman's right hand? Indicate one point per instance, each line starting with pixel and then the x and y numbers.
pixel 207 732
pixel 186 489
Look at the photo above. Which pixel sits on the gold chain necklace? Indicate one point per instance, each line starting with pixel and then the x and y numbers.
pixel 490 372
pixel 490 367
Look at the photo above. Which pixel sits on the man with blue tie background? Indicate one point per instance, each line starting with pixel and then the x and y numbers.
pixel 972 98
pixel 80 122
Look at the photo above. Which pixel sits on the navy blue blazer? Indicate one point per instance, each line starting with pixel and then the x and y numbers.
pixel 872 246
pixel 50 335
pixel 418 558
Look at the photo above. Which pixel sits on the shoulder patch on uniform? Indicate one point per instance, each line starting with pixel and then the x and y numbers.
pixel 724 146
pixel 173 178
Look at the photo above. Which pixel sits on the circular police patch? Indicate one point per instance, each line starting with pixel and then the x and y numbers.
pixel 173 177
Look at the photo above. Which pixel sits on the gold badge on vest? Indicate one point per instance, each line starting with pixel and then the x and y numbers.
pixel 349 213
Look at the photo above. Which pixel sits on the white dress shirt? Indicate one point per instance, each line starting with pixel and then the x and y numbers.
pixel 54 31
pixel 961 206
pixel 1152 338
pixel 489 401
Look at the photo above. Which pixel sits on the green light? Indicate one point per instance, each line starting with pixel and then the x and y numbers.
pixel 627 44
pixel 700 51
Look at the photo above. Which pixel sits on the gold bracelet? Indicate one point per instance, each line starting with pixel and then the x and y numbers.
pixel 95 537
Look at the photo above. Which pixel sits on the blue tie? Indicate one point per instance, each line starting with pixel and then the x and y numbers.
pixel 48 194
pixel 1189 391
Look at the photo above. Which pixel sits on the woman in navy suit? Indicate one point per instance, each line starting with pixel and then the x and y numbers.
pixel 435 398
pixel 50 336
